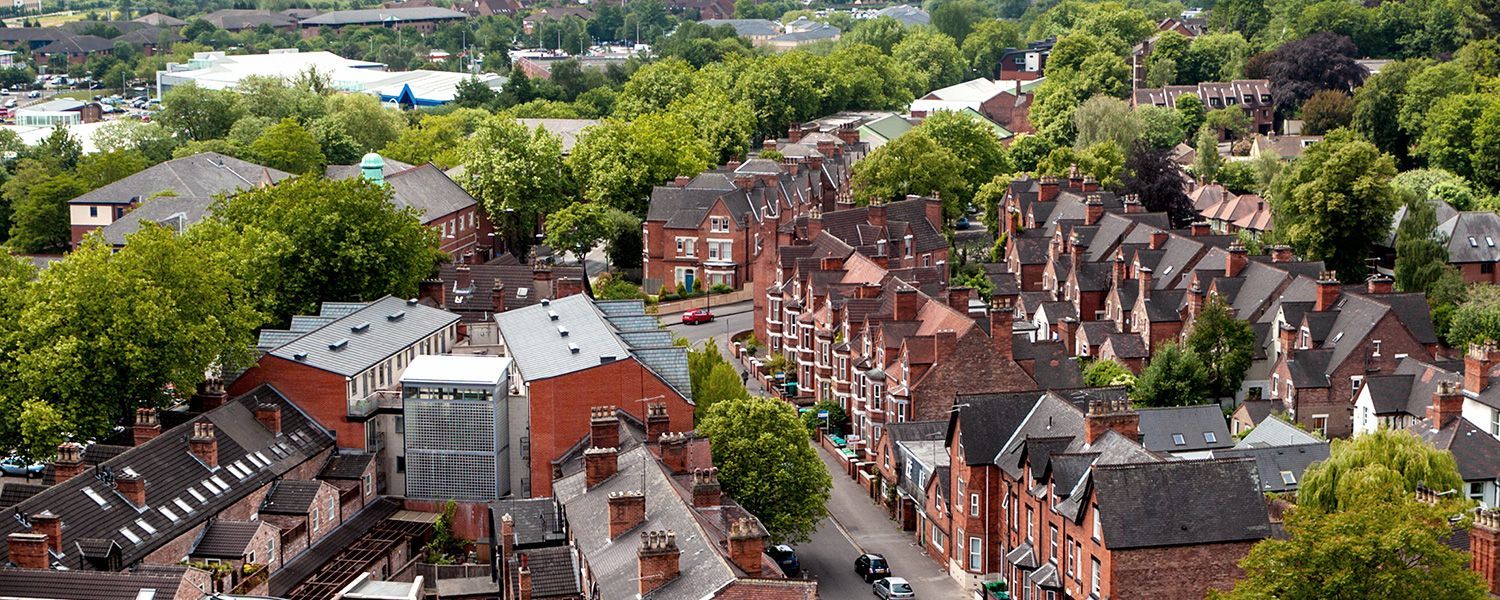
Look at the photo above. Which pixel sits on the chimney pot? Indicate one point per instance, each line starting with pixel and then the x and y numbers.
pixel 203 444
pixel 604 427
pixel 658 421
pixel 1281 254
pixel 1328 291
pixel 658 560
pixel 706 490
pixel 1478 363
pixel 146 428
pixel 747 541
pixel 69 461
pixel 1447 404
pixel 1115 415
pixel 132 488
pixel 1379 284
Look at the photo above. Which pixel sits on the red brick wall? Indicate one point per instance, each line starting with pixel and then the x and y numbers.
pixel 471 520
pixel 319 393
pixel 560 410
pixel 1158 573
pixel 935 514
pixel 1473 273
pixel 327 520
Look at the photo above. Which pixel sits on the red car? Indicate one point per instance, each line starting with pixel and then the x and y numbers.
pixel 694 317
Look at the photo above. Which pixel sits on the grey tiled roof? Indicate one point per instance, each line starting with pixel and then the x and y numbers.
pixel 1272 431
pixel 1158 425
pixel 541 351
pixel 747 27
pixel 174 212
pixel 1271 461
pixel 379 16
pixel 201 175
pixel 538 521
pixel 290 497
pixel 428 190
pixel 1176 503
pixel 226 539
pixel 392 324
pixel 160 582
pixel 346 465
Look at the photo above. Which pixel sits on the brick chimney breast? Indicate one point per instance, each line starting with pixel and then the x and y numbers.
pixel 1484 547
pixel 132 488
pixel 604 427
pixel 658 559
pixel 146 427
pixel 203 444
pixel 674 452
pixel 1114 414
pixel 658 421
pixel 600 464
pixel 1447 404
pixel 29 550
pixel 269 416
pixel 627 510
pixel 747 541
pixel 1235 260
pixel 69 461
pixel 1478 362
pixel 1002 323
pixel 1328 291
pixel 706 490
pixel 1379 284
pixel 1281 254
pixel 50 525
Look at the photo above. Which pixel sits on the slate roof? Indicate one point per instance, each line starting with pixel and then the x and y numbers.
pixel 380 16
pixel 173 474
pixel 15 492
pixel 554 572
pixel 518 283
pixel 1272 461
pixel 428 190
pixel 1052 366
pixel 202 175
pixel 226 539
pixel 1273 431
pixel 361 339
pixel 77 44
pixel 290 497
pixel 157 19
pixel 1193 423
pixel 537 521
pixel 1177 503
pixel 1476 451
pixel 703 569
pixel 907 15
pixel 1309 368
pixel 991 417
pixel 1472 237
pixel 236 19
pixel 542 351
pixel 1389 394
pixel 144 583
pixel 173 212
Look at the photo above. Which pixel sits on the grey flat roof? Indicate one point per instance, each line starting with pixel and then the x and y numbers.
pixel 389 324
pixel 381 15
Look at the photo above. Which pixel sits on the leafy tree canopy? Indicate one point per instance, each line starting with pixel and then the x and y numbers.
pixel 768 465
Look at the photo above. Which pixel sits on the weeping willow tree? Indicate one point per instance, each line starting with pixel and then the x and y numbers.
pixel 1382 466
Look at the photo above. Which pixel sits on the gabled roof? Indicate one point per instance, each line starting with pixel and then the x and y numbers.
pixel 1273 431
pixel 428 190
pixel 77 44
pixel 226 540
pixel 202 175
pixel 346 465
pixel 989 418
pixel 1280 467
pixel 143 583
pixel 1161 427
pixel 1476 451
pixel 175 478
pixel 1472 237
pixel 157 19
pixel 350 344
pixel 537 521
pixel 173 212
pixel 236 19
pixel 1178 503
pixel 747 27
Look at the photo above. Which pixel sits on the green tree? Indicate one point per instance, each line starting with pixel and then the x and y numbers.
pixel 1104 162
pixel 577 228
pixel 1425 88
pixel 1477 318
pixel 881 32
pixel 957 18
pixel 1377 107
pixel 312 239
pixel 1225 344
pixel 653 87
pixel 1176 376
pixel 725 124
pixel 439 139
pixel 1335 202
pixel 275 98
pixel 932 54
pixel 911 164
pixel 289 147
pixel 1107 119
pixel 1214 57
pixel 42 428
pixel 1453 128
pixel 1161 127
pixel 1392 550
pixel 723 383
pixel 1106 372
pixel 835 421
pixel 1207 162
pixel 986 45
pixel 519 176
pixel 1326 111
pixel 1230 121
pixel 1395 459
pixel 40 220
pixel 1421 252
pixel 975 144
pixel 365 120
pixel 150 139
pixel 767 464
pixel 701 362
pixel 59 151
pixel 1168 52
pixel 617 162
pixel 102 168
pixel 196 113
pixel 473 93
pixel 988 196
pixel 1190 110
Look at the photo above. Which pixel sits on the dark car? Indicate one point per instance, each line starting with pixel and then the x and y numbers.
pixel 872 567
pixel 694 317
pixel 786 558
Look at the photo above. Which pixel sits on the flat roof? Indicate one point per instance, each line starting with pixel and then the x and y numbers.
pixel 467 369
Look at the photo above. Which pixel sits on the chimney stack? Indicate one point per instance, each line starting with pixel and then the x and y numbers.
pixel 1287 335
pixel 497 296
pixel 958 298
pixel 1328 291
pixel 203 443
pixel 1235 260
pixel 907 304
pixel 1379 284
pixel 674 452
pixel 210 395
pixel 1196 298
pixel 1067 332
pixel 49 525
pixel 465 275
pixel 1447 404
pixel 29 550
pixel 1002 321
pixel 568 286
pixel 1478 362
pixel 1158 239
pixel 1090 184
pixel 604 427
pixel 600 464
pixel 69 462
pixel 269 416
pixel 706 491
pixel 682 181
pixel 1132 203
pixel 507 537
pixel 1093 209
pixel 658 421
pixel 658 560
pixel 747 541
pixel 1111 415
pixel 1281 254
pixel 1047 189
pixel 1145 279
pixel 523 583
pixel 626 511
pixel 1200 229
pixel 132 488
pixel 875 213
pixel 1484 548
pixel 146 426
pixel 432 289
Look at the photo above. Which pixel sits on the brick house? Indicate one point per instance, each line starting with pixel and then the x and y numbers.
pixel 239 544
pixel 574 357
pixel 1471 245
pixel 167 583
pixel 475 291
pixel 1005 102
pixel 904 458
pixel 1027 63
pixel 441 204
pixel 1252 95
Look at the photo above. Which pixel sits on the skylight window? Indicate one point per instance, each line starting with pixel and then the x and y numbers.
pixel 146 527
pixel 130 535
pixel 93 495
pixel 262 458
pixel 220 482
pixel 1288 478
pixel 255 461
pixel 1178 440
pixel 198 496
pixel 167 512
pixel 130 471
pixel 183 505
pixel 1490 241
pixel 236 471
pixel 1473 243
pixel 209 485
pixel 1208 436
pixel 243 469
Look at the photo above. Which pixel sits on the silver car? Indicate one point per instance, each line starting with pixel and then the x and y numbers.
pixel 894 588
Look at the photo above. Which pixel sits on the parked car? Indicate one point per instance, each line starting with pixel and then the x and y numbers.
pixel 894 588
pixel 15 467
pixel 694 317
pixel 963 223
pixel 33 94
pixel 786 558
pixel 11 103
pixel 872 567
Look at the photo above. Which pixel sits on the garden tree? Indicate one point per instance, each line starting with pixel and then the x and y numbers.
pixel 1230 121
pixel 836 420
pixel 365 120
pixel 911 164
pixel 653 87
pixel 860 77
pixel 518 176
pixel 1477 318
pixel 596 103
pixel 1191 113
pixel 933 55
pixel 1425 88
pixel 1442 185
pixel 289 147
pixel 39 220
pixel 986 45
pixel 519 89
pixel 1052 107
pixel 1377 108
pixel 150 139
pixel 1104 74
pixel 782 89
pixel 246 130
pixel 1395 549
pixel 1107 372
pixel 767 464
pixel 699 44
pixel 1300 68
pixel 1167 55
pixel 881 32
pixel 102 168
pixel 1485 157
pixel 473 93
pixel 335 144
pixel 310 239
pixel 41 428
pixel 1150 174
pixel 106 332
pixel 1384 464
pixel 1175 376
pixel 275 98
pixel 701 362
pixel 445 547
pixel 957 18
pixel 1479 57
pixel 196 113
pixel 1122 26
pixel 1161 127
pixel 1335 202
pixel 25 173
pixel 1246 17
pixel 1106 119
pixel 1224 343
pixel 1213 57
pixel 725 124
pixel 1103 162
pixel 1207 162
pixel 988 196
pixel 1326 111
pixel 1239 177
pixel 617 162
pixel 1453 130
pixel 543 109
pixel 59 151
pixel 1421 252
pixel 973 142
pixel 722 383
pixel 578 227
pixel 436 138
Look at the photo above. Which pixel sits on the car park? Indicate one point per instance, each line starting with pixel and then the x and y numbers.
pixel 786 558
pixel 894 588
pixel 694 317
pixel 872 567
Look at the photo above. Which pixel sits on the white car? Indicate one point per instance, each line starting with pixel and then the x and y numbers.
pixel 894 588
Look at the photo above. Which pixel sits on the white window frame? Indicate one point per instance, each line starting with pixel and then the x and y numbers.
pixel 976 554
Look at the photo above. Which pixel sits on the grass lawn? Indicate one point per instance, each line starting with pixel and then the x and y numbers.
pixel 49 20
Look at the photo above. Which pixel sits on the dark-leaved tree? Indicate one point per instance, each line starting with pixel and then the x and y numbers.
pixel 1301 68
pixel 1151 175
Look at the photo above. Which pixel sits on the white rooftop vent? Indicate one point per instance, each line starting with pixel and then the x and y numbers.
pixel 552 315
pixel 220 482
pixel 562 330
pixel 338 344
pixel 395 316
pixel 236 471
pixel 197 496
pixel 360 328
pixel 521 292
pixel 573 348
pixel 546 302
